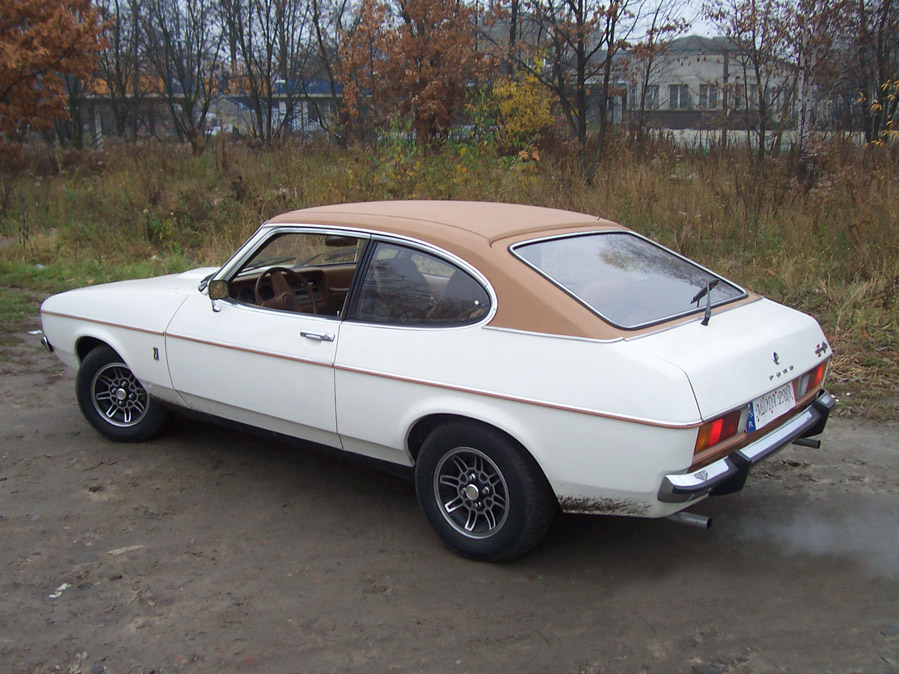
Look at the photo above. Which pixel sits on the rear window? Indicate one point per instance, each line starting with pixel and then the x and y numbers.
pixel 629 281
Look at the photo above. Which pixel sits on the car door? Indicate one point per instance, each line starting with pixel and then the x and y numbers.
pixel 265 355
pixel 415 322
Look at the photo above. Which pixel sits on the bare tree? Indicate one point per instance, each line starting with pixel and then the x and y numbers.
pixel 759 31
pixel 513 54
pixel 813 31
pixel 183 45
pixel 119 66
pixel 270 40
pixel 70 130
pixel 329 23
pixel 580 40
pixel 874 37
pixel 665 23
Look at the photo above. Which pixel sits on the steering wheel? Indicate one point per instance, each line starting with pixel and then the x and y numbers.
pixel 285 296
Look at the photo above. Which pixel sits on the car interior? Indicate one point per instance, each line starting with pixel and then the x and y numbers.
pixel 402 285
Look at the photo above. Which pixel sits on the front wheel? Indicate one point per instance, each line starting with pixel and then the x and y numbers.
pixel 483 494
pixel 113 401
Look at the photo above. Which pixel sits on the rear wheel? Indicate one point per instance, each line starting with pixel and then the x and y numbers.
pixel 113 401
pixel 482 493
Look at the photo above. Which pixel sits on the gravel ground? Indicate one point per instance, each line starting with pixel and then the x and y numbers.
pixel 214 550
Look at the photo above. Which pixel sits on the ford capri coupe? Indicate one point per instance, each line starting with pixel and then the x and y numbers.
pixel 521 360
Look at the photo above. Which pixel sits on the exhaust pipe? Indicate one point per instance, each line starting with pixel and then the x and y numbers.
pixel 692 520
pixel 808 442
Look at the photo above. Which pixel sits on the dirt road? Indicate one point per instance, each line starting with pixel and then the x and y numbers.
pixel 210 550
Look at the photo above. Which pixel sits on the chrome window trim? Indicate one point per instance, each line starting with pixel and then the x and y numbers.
pixel 265 230
pixel 513 250
pixel 244 306
pixel 722 309
pixel 255 242
pixel 552 335
pixel 446 256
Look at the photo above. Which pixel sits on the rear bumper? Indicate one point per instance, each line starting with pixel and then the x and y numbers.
pixel 728 475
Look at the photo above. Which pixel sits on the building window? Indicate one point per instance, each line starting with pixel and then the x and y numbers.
pixel 708 96
pixel 774 99
pixel 736 96
pixel 678 96
pixel 652 98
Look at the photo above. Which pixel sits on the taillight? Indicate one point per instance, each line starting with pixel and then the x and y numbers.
pixel 812 379
pixel 717 430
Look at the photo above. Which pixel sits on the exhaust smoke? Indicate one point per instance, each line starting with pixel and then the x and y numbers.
pixel 868 534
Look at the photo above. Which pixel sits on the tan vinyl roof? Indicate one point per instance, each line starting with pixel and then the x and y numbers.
pixel 480 233
pixel 489 220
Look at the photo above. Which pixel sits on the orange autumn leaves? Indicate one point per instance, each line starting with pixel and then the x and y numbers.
pixel 414 58
pixel 42 41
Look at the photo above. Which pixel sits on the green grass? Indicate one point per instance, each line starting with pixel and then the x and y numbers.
pixel 830 248
pixel 15 309
pixel 64 274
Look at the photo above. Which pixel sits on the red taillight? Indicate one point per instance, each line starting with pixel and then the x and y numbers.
pixel 811 380
pixel 815 377
pixel 716 431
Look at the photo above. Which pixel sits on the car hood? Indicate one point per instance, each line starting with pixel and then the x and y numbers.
pixel 141 303
pixel 742 353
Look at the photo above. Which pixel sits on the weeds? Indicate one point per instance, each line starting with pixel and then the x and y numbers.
pixel 15 308
pixel 823 238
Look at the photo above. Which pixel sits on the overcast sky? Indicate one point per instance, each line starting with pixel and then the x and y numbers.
pixel 699 26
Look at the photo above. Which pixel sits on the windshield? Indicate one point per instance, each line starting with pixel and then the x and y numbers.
pixel 626 279
pixel 300 249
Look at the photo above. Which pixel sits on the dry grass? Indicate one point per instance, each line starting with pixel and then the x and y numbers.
pixel 828 245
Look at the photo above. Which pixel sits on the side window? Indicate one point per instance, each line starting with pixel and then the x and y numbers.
pixel 408 287
pixel 302 272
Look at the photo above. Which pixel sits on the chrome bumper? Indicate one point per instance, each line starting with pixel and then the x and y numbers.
pixel 727 475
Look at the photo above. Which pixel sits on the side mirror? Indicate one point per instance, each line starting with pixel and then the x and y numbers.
pixel 218 290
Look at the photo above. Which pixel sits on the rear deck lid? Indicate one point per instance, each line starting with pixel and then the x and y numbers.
pixel 742 353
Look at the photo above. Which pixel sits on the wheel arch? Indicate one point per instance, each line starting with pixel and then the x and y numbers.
pixel 425 425
pixel 121 394
pixel 85 344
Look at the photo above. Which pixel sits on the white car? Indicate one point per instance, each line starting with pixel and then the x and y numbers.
pixel 521 359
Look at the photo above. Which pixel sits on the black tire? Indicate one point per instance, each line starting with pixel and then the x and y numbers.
pixel 113 401
pixel 482 493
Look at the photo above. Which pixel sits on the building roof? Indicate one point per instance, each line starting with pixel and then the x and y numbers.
pixel 697 44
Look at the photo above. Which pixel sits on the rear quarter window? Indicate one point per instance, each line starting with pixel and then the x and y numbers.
pixel 406 286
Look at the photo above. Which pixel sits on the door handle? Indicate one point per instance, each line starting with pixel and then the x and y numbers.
pixel 318 336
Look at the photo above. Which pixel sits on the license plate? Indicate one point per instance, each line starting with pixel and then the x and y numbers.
pixel 768 407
